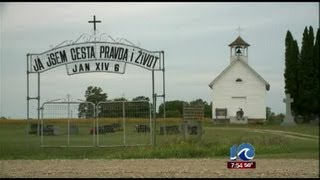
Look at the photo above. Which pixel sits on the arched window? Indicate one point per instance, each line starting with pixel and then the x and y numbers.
pixel 238 80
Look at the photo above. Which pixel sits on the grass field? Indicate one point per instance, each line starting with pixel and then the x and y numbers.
pixel 215 142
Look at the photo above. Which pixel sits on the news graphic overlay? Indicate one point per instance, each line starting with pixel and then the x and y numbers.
pixel 241 157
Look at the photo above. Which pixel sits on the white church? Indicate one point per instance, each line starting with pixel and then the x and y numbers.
pixel 237 87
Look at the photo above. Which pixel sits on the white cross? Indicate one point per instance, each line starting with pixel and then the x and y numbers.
pixel 288 100
pixel 239 29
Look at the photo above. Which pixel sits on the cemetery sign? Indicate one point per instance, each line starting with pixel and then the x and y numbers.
pixel 94 57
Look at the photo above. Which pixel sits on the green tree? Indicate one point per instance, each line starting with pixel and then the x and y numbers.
pixel 272 118
pixel 141 98
pixel 302 74
pixel 94 95
pixel 120 99
pixel 270 115
pixel 206 107
pixel 295 56
pixel 306 75
pixel 131 109
pixel 173 108
pixel 291 70
pixel 144 106
pixel 316 66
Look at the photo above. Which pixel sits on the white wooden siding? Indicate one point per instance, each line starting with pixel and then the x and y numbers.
pixel 251 87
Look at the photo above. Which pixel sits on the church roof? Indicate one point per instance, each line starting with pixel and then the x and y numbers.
pixel 246 65
pixel 239 41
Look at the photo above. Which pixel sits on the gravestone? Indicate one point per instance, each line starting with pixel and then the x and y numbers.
pixel 73 129
pixel 315 121
pixel 50 130
pixel 288 118
pixel 142 128
pixel 102 129
pixel 116 126
pixel 108 129
pixel 164 130
pixel 34 128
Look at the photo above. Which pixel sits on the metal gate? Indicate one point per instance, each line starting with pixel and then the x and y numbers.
pixel 123 123
pixel 82 124
pixel 67 124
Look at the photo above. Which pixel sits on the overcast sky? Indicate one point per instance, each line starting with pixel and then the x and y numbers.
pixel 194 37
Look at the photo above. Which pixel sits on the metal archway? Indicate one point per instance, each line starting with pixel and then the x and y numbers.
pixel 95 53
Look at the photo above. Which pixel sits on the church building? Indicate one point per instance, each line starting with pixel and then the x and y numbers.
pixel 239 88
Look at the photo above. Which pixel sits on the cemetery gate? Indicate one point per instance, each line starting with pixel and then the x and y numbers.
pixel 123 123
pixel 67 124
pixel 90 53
pixel 82 124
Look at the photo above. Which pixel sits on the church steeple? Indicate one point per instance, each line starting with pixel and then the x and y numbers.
pixel 239 50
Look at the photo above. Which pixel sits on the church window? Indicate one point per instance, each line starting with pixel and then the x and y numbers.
pixel 238 80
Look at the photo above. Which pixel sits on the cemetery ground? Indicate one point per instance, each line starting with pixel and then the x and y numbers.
pixel 279 152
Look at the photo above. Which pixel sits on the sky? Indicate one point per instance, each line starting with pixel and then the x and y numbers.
pixel 194 37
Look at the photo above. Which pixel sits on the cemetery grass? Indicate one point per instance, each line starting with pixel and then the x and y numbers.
pixel 215 143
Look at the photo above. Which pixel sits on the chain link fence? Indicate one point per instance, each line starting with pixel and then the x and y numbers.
pixel 66 124
pixel 123 123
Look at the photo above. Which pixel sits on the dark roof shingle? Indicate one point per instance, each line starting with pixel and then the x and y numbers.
pixel 239 41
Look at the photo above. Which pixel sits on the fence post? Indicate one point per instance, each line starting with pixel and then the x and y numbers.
pixel 150 121
pixel 96 129
pixel 95 112
pixel 124 123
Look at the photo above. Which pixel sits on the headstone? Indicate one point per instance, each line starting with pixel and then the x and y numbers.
pixel 108 129
pixel 315 121
pixel 142 128
pixel 288 118
pixel 73 129
pixel 164 130
pixel 116 126
pixel 50 130
pixel 56 130
pixel 34 128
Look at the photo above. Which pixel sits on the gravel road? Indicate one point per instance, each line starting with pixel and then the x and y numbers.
pixel 163 168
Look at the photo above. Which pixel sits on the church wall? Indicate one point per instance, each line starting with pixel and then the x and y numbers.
pixel 251 91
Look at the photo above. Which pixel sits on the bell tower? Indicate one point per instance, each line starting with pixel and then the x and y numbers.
pixel 239 50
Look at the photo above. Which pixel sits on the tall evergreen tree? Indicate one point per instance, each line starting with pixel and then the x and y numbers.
pixel 287 73
pixel 306 70
pixel 294 64
pixel 316 62
pixel 302 77
pixel 291 70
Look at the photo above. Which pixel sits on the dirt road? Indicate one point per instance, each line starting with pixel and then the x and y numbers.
pixel 143 168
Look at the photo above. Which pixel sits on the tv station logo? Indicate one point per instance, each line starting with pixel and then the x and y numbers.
pixel 245 154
